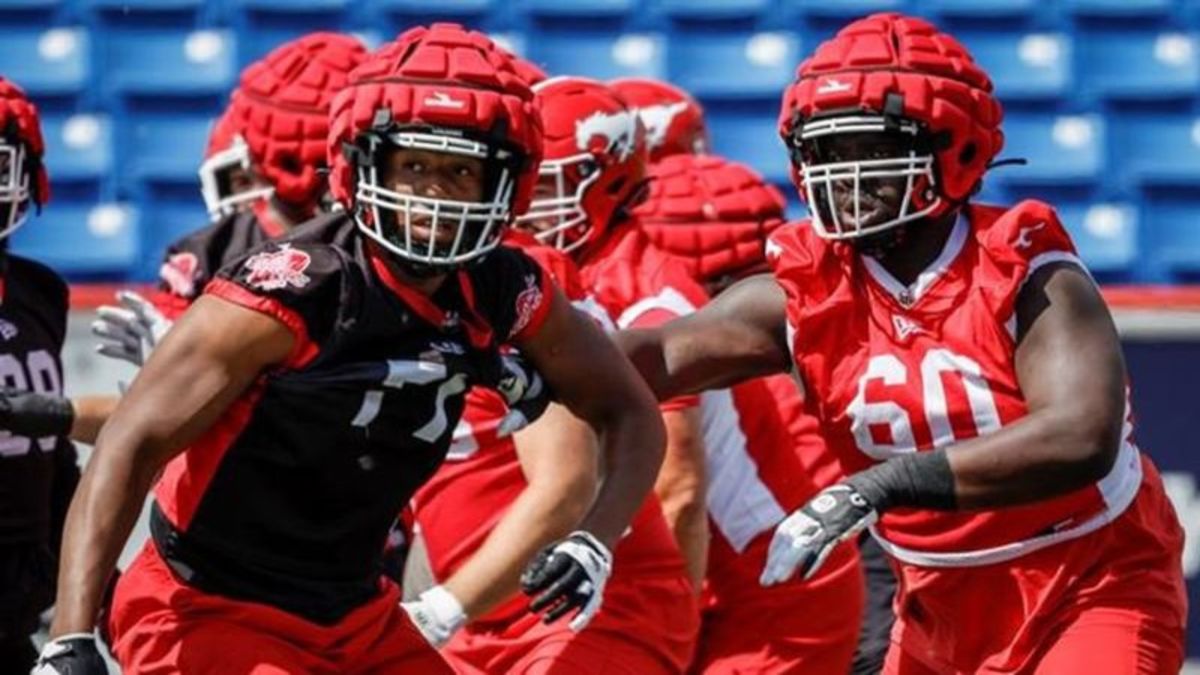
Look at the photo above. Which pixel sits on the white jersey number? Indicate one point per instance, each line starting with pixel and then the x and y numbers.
pixel 38 374
pixel 891 371
pixel 416 372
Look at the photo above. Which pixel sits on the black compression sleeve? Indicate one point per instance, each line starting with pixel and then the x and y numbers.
pixel 920 480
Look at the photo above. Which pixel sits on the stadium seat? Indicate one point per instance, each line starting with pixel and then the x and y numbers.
pixel 709 10
pixel 81 239
pixel 78 147
pixel 291 6
pixel 753 140
pixel 722 66
pixel 600 56
pixel 28 5
pixel 1061 150
pixel 1024 66
pixel 169 220
pixel 144 5
pixel 445 7
pixel 1176 237
pixel 558 8
pixel 165 149
pixel 981 8
pixel 1147 66
pixel 1106 236
pixel 1119 8
pixel 155 62
pixel 846 8
pixel 1161 150
pixel 52 62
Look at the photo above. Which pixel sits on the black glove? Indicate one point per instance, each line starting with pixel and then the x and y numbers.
pixel 73 654
pixel 569 574
pixel 27 413
pixel 525 392
pixel 805 539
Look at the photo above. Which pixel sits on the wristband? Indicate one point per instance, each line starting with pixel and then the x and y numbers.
pixel 918 480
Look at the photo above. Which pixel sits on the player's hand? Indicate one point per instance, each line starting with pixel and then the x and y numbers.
pixel 73 654
pixel 525 392
pixel 28 413
pixel 567 575
pixel 131 330
pixel 806 538
pixel 437 614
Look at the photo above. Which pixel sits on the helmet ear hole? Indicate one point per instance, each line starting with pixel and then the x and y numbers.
pixel 968 154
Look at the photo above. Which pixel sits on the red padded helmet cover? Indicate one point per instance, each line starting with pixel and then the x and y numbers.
pixel 713 213
pixel 674 120
pixel 19 118
pixel 446 76
pixel 222 134
pixel 942 87
pixel 281 110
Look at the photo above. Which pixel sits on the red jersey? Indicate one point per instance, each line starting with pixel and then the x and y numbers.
pixel 890 369
pixel 482 476
pixel 819 463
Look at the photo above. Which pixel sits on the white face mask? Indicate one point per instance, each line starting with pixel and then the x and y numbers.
pixel 560 220
pixel 477 226
pixel 916 171
pixel 219 198
pixel 14 187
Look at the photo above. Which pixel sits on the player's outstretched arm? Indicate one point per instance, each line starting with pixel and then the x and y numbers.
pixel 1070 370
pixel 740 335
pixel 214 354
pixel 559 459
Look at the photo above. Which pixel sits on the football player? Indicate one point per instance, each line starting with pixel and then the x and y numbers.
pixel 38 469
pixel 715 216
pixel 964 368
pixel 315 385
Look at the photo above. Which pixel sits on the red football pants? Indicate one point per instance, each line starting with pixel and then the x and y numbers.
pixel 161 626
pixel 798 627
pixel 1108 603
pixel 645 627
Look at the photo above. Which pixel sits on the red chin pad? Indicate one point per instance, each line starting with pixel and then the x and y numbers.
pixel 20 115
pixel 713 213
pixel 442 76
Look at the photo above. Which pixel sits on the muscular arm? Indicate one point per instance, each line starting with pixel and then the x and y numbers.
pixel 214 353
pixel 1071 372
pixel 559 459
pixel 681 489
pixel 737 336
pixel 591 378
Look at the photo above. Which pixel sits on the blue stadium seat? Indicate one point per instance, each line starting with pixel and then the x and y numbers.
pixel 156 62
pixel 28 5
pixel 445 7
pixel 1062 150
pixel 981 8
pixel 144 5
pixel 1023 66
pixel 168 220
pixel 1161 150
pixel 165 149
pixel 796 209
pixel 1175 236
pixel 81 239
pixel 709 10
pixel 1140 65
pixel 722 66
pixel 847 8
pixel 292 6
pixel 599 56
pixel 78 147
pixel 753 140
pixel 558 8
pixel 52 62
pixel 1119 8
pixel 1106 236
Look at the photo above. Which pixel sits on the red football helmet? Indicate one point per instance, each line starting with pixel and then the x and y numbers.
pixel 595 162
pixel 898 77
pixel 23 178
pixel 277 122
pixel 674 120
pixel 441 89
pixel 712 213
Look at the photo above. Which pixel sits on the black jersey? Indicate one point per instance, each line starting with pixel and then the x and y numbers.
pixel 288 499
pixel 191 262
pixel 33 323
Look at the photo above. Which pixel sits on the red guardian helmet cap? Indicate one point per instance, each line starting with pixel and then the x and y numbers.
pixel 23 178
pixel 712 213
pixel 277 123
pixel 674 120
pixel 893 74
pixel 595 162
pixel 441 89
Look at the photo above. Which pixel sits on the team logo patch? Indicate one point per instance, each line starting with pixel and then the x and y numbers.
pixel 274 270
pixel 1023 240
pixel 527 303
pixel 179 273
pixel 8 330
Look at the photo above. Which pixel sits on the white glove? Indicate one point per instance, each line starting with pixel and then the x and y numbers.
pixel 569 574
pixel 437 614
pixel 73 654
pixel 806 538
pixel 130 331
